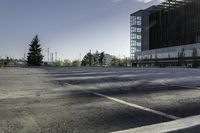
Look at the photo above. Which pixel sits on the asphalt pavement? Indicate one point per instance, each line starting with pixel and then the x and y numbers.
pixel 57 100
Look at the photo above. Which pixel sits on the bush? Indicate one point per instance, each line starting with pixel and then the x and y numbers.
pixel 76 63
pixel 58 63
pixel 67 63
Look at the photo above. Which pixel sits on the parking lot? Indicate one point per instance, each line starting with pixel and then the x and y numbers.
pixel 56 100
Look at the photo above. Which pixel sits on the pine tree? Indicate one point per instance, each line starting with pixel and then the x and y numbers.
pixel 88 59
pixel 35 56
pixel 195 63
pixel 102 59
pixel 181 57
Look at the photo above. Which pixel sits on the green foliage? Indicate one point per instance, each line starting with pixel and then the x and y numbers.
pixel 67 63
pixel 102 59
pixel 182 53
pixel 95 59
pixel 115 61
pixel 99 59
pixel 181 57
pixel 58 63
pixel 124 62
pixel 87 60
pixel 194 52
pixel 76 63
pixel 195 63
pixel 35 56
pixel 11 62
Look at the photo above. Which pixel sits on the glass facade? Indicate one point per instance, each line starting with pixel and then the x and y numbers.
pixel 161 31
pixel 175 23
pixel 135 35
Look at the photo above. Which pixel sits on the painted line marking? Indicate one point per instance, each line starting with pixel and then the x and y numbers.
pixel 175 125
pixel 129 104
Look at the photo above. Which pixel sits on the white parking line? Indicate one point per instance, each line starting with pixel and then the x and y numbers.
pixel 166 126
pixel 130 104
pixel 135 106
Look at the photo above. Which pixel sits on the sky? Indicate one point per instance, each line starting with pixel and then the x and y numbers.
pixel 70 27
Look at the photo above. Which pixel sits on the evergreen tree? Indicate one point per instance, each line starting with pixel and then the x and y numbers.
pixel 88 59
pixel 102 59
pixel 195 62
pixel 96 59
pixel 181 57
pixel 35 56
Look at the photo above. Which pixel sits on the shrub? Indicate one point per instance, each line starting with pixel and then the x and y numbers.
pixel 76 63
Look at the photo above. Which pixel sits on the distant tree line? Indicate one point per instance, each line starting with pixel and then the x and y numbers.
pixel 95 59
pixel 67 63
pixel 182 57
pixel 120 62
pixel 11 62
pixel 35 58
pixel 100 59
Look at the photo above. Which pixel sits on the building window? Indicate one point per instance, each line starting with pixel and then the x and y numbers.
pixel 135 36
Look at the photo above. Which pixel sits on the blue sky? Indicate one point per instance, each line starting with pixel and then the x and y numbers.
pixel 70 27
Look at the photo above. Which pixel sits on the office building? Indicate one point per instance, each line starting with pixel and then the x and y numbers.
pixel 166 33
